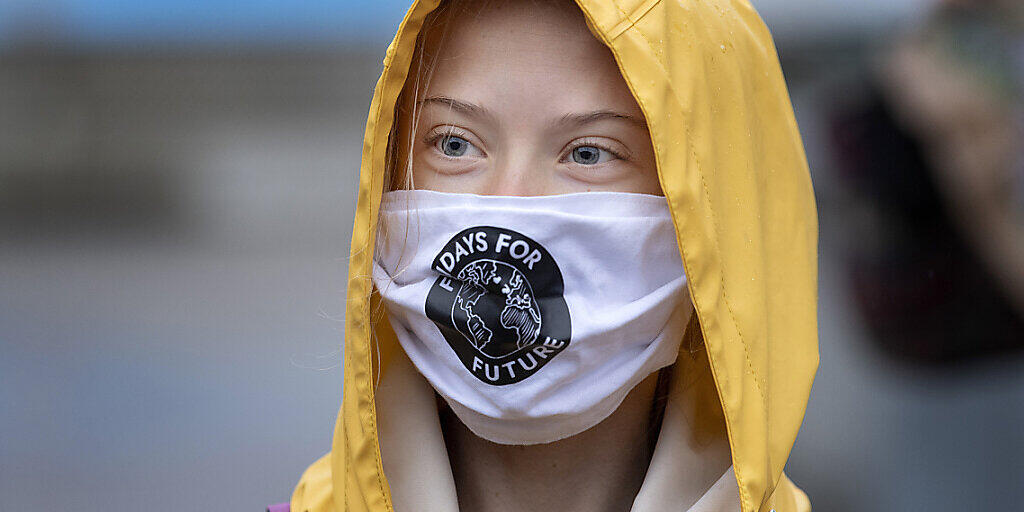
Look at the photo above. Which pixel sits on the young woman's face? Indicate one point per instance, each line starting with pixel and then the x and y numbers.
pixel 524 101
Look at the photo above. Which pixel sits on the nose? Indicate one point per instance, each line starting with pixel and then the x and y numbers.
pixel 513 179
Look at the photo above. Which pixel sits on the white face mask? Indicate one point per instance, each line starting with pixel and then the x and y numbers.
pixel 532 316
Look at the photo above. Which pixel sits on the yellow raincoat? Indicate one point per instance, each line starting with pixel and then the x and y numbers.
pixel 732 167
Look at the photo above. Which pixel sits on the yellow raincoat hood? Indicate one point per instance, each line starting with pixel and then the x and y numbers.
pixel 732 167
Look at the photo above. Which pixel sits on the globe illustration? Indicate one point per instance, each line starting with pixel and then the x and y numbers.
pixel 495 308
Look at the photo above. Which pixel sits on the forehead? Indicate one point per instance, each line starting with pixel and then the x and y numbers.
pixel 522 55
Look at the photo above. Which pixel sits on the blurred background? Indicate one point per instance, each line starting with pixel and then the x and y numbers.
pixel 177 184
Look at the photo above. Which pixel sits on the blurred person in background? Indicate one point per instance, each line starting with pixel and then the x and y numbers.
pixel 610 145
pixel 935 151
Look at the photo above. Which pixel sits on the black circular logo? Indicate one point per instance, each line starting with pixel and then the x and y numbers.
pixel 498 302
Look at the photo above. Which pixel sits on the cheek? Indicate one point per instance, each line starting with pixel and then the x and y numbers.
pixel 648 182
pixel 637 176
pixel 636 183
pixel 425 178
pixel 647 172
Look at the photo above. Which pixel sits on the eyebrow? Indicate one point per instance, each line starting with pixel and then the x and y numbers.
pixel 462 107
pixel 575 119
pixel 584 118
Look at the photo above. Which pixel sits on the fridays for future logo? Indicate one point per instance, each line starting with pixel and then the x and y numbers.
pixel 499 303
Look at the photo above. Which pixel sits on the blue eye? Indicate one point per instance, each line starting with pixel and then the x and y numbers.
pixel 586 155
pixel 454 146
